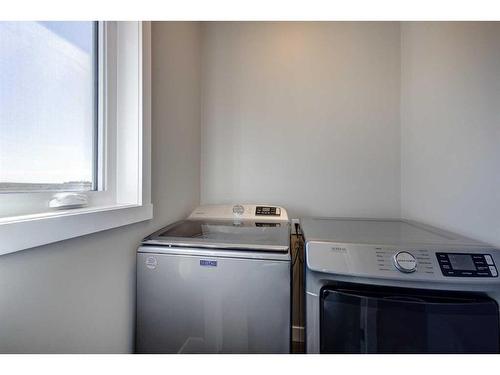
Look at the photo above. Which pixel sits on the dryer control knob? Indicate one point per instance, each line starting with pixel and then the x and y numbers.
pixel 405 262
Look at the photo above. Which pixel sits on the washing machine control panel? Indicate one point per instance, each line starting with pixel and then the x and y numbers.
pixel 467 265
pixel 267 211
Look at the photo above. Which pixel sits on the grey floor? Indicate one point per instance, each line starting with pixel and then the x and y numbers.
pixel 298 347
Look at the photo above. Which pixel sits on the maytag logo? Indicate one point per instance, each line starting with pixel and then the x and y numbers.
pixel 342 249
pixel 208 263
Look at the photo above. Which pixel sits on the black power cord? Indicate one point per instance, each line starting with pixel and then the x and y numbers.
pixel 299 271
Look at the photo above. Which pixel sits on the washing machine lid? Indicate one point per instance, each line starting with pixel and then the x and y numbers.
pixel 379 231
pixel 225 234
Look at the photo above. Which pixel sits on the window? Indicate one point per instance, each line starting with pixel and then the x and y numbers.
pixel 48 106
pixel 74 116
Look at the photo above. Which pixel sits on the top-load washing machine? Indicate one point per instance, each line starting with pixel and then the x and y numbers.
pixel 218 282
pixel 395 286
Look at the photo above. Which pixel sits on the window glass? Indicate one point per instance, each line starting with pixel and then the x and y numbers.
pixel 48 110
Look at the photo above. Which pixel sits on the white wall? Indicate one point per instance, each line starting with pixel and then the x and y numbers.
pixel 450 117
pixel 305 115
pixel 78 296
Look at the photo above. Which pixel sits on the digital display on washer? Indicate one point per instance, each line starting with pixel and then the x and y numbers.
pixel 462 262
pixel 267 210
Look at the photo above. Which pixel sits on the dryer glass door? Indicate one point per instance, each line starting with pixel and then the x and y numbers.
pixel 384 321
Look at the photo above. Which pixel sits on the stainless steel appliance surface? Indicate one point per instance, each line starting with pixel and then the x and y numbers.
pixel 397 286
pixel 217 282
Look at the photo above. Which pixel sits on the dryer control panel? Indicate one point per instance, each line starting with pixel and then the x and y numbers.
pixel 398 250
pixel 467 265
pixel 405 263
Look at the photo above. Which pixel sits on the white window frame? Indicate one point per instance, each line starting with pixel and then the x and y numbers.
pixel 124 172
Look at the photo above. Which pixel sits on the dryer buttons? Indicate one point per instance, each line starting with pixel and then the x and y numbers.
pixel 466 265
pixel 489 260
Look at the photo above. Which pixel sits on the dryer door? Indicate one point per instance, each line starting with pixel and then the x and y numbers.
pixel 384 321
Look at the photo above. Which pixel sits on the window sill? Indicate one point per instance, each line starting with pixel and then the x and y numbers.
pixel 27 231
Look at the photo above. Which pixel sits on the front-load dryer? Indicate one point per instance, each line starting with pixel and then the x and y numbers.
pixel 395 286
